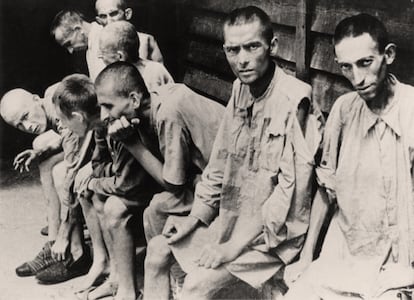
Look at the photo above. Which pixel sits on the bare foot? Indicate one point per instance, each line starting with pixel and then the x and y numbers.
pixel 108 288
pixel 96 275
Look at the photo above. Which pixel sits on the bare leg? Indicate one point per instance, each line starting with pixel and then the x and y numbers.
pixel 50 193
pixel 118 216
pixel 100 256
pixel 157 269
pixel 109 287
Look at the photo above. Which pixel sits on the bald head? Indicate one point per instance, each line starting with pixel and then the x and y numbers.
pixel 119 42
pixel 24 111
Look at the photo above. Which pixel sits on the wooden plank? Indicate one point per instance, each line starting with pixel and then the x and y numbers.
pixel 396 15
pixel 302 50
pixel 323 57
pixel 280 11
pixel 326 88
pixel 208 83
pixel 211 55
pixel 210 27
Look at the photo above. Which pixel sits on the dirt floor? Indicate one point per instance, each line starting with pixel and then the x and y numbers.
pixel 22 215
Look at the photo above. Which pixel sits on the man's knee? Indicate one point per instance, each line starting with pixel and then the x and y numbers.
pixel 158 253
pixel 115 211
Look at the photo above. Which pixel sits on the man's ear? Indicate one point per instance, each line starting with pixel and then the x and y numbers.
pixel 128 14
pixel 77 116
pixel 77 27
pixel 274 44
pixel 390 53
pixel 136 98
pixel 121 55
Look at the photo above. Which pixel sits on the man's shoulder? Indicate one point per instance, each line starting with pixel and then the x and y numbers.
pixel 406 92
pixel 293 87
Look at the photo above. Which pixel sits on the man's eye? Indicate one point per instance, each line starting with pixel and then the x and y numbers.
pixel 232 50
pixel 113 13
pixel 24 116
pixel 345 68
pixel 253 47
pixel 366 63
pixel 103 17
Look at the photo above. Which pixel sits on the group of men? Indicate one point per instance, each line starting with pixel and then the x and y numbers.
pixel 220 195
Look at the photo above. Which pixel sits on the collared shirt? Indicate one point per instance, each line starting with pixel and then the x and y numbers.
pixel 186 124
pixel 367 169
pixel 253 170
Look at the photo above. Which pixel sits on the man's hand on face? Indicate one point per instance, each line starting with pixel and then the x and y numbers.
pixel 176 228
pixel 214 255
pixel 124 131
pixel 23 160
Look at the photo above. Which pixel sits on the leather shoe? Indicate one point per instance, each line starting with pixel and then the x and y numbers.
pixel 64 270
pixel 24 270
pixel 42 260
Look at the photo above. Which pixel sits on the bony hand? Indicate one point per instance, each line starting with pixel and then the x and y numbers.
pixel 82 179
pixel 214 255
pixel 23 160
pixel 295 270
pixel 59 249
pixel 177 228
pixel 123 130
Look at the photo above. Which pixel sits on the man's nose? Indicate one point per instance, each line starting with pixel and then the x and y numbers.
pixel 358 76
pixel 243 57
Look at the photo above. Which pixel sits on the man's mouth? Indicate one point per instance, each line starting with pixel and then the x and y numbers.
pixel 364 89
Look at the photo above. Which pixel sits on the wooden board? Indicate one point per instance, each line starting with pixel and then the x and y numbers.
pixel 208 83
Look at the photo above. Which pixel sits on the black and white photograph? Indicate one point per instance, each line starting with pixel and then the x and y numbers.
pixel 207 149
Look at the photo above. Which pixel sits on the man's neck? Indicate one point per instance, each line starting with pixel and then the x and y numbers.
pixel 384 98
pixel 258 87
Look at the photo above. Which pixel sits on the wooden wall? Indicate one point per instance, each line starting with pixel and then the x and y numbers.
pixel 304 29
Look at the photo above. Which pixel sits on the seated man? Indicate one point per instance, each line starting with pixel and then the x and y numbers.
pixel 70 30
pixel 251 207
pixel 119 42
pixel 121 190
pixel 108 11
pixel 366 173
pixel 32 114
pixel 172 139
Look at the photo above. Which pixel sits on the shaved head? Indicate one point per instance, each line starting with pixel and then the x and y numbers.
pixel 24 111
pixel 119 41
